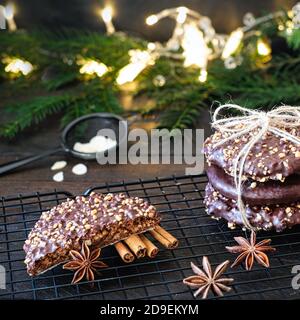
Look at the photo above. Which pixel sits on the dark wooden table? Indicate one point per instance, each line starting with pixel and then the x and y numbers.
pixel 38 176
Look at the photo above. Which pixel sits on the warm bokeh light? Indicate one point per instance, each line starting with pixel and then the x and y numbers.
pixel 151 20
pixel 232 43
pixel 195 50
pixel 263 48
pixel 139 60
pixel 107 14
pixel 151 46
pixel 91 67
pixel 16 65
pixel 182 14
pixel 9 11
pixel 203 75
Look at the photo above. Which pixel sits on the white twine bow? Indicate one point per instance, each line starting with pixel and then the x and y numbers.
pixel 274 121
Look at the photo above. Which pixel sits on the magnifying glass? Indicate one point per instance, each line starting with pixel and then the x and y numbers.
pixel 81 130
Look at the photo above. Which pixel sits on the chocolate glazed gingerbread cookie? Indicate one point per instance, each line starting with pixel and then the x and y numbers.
pixel 254 192
pixel 254 168
pixel 99 220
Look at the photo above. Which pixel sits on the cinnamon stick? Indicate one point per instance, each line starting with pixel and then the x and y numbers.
pixel 152 249
pixel 124 252
pixel 164 237
pixel 136 245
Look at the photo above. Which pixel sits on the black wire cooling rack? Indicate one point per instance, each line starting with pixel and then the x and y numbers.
pixel 180 201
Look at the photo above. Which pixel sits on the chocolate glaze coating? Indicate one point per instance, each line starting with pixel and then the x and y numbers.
pixel 271 157
pixel 256 193
pixel 98 219
pixel 278 217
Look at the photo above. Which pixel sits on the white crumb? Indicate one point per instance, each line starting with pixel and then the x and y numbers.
pixel 59 176
pixel 79 169
pixel 58 165
pixel 96 144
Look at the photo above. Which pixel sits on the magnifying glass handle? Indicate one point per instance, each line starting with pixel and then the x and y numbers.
pixel 10 166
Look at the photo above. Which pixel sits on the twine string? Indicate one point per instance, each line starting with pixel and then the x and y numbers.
pixel 274 121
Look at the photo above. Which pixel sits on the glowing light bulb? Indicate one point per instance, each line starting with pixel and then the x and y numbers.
pixel 8 12
pixel 182 14
pixel 107 14
pixel 203 75
pixel 263 48
pixel 139 60
pixel 15 65
pixel 91 67
pixel 2 18
pixel 290 24
pixel 195 49
pixel 290 13
pixel 151 20
pixel 151 46
pixel 232 43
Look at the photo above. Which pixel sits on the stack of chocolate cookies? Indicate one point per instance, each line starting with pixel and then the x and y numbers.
pixel 271 180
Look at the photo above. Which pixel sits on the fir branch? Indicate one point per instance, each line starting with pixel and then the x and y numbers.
pixel 294 39
pixel 178 102
pixel 184 111
pixel 32 112
pixel 61 80
pixel 180 118
pixel 101 100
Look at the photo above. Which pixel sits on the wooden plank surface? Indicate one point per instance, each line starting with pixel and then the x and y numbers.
pixel 38 177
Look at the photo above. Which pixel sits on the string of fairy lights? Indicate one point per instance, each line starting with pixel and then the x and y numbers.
pixel 194 41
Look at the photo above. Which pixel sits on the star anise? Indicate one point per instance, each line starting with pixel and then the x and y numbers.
pixel 85 263
pixel 250 251
pixel 208 280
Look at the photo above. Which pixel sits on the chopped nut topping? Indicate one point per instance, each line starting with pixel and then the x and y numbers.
pixel 253 185
pixel 64 226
